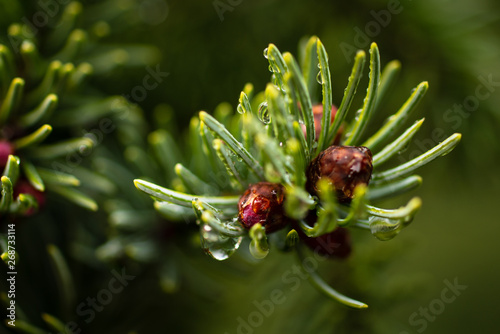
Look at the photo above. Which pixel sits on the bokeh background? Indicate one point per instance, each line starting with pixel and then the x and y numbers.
pixel 211 49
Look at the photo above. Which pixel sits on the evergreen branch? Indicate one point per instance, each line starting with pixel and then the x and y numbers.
pixel 387 80
pixel 280 116
pixel 12 99
pixel 75 197
pixel 32 175
pixel 192 182
pixel 228 163
pixel 397 145
pixel 394 188
pixel 34 138
pixel 326 83
pixel 275 156
pixel 235 145
pixel 439 150
pixel 52 177
pixel 259 247
pixel 63 276
pixel 395 121
pixel 244 104
pixel 171 196
pixel 298 202
pixel 358 207
pixel 47 86
pixel 362 119
pixel 322 286
pixel 24 204
pixel 297 87
pixel 6 194
pixel 33 62
pixel 349 93
pixel 402 213
pixel 63 148
pixel 11 169
pixel 174 212
pixel 309 64
pixel 277 64
pixel 230 229
pixel 44 109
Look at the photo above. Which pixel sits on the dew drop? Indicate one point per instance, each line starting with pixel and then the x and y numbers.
pixel 358 115
pixel 319 79
pixel 263 113
pixel 240 109
pixel 265 52
pixel 216 245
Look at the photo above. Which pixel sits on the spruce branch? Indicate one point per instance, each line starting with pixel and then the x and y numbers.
pixel 289 142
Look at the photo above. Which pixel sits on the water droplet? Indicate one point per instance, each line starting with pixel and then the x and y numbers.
pixel 263 113
pixel 274 80
pixel 319 79
pixel 240 109
pixel 265 52
pixel 319 65
pixel 358 115
pixel 271 69
pixel 216 245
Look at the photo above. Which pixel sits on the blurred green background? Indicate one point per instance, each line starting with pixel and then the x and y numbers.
pixel 455 45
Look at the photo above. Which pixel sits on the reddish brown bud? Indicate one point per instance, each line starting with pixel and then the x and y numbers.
pixel 345 167
pixel 263 203
pixel 336 244
pixel 318 115
pixel 6 149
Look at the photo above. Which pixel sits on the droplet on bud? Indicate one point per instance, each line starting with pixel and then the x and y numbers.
pixel 265 52
pixel 240 109
pixel 319 78
pixel 263 113
pixel 263 203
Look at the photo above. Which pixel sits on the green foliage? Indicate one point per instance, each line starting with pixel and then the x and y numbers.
pixel 273 156
pixel 45 93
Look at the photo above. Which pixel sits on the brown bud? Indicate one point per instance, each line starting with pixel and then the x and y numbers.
pixel 345 167
pixel 263 203
pixel 318 115
pixel 336 244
